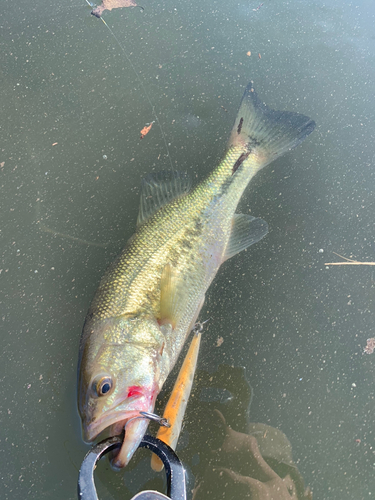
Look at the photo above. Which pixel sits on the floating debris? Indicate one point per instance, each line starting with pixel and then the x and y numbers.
pixel 112 4
pixel 349 262
pixel 259 6
pixel 146 129
pixel 369 349
pixel 219 341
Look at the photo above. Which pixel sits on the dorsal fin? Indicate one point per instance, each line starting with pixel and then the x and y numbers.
pixel 246 230
pixel 160 188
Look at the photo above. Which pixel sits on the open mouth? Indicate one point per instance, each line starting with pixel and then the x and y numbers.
pixel 122 416
pixel 135 426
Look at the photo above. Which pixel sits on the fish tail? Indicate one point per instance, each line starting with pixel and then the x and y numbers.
pixel 264 134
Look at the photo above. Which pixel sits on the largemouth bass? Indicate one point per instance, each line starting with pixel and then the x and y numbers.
pixel 150 297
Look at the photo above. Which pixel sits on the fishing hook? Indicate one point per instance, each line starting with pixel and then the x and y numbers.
pixel 151 416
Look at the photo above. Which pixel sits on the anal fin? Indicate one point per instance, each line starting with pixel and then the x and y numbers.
pixel 246 230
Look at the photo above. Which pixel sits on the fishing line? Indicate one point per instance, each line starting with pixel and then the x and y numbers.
pixel 140 83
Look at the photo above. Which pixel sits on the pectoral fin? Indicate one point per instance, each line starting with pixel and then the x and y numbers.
pixel 172 296
pixel 246 230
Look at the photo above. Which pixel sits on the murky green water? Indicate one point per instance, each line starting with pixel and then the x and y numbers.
pixel 71 162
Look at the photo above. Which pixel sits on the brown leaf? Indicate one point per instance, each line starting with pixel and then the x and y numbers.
pixel 112 4
pixel 146 129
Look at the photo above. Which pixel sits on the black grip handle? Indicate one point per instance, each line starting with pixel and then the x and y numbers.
pixel 176 483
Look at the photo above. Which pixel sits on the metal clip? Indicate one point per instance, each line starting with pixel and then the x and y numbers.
pixel 176 483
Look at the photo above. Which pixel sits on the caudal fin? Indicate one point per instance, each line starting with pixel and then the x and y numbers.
pixel 266 133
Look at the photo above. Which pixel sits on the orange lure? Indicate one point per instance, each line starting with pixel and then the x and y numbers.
pixel 176 406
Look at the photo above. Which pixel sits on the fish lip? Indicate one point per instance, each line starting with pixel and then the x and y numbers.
pixel 114 421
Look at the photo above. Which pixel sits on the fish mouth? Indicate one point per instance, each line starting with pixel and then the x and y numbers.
pixel 135 426
pixel 121 411
pixel 115 422
pixel 126 416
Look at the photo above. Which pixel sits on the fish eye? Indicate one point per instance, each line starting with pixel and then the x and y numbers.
pixel 102 386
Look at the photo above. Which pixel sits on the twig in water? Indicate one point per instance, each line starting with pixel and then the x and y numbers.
pixel 349 262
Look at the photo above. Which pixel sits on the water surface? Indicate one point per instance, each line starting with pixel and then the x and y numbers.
pixel 72 162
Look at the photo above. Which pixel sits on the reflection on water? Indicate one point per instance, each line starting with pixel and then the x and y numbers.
pixel 298 328
pixel 255 462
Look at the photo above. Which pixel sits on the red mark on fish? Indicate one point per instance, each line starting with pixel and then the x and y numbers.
pixel 135 390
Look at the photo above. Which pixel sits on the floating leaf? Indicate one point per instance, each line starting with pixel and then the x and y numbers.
pixel 146 129
pixel 112 4
pixel 369 349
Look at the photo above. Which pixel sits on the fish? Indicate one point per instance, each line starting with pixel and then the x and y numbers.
pixel 150 297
